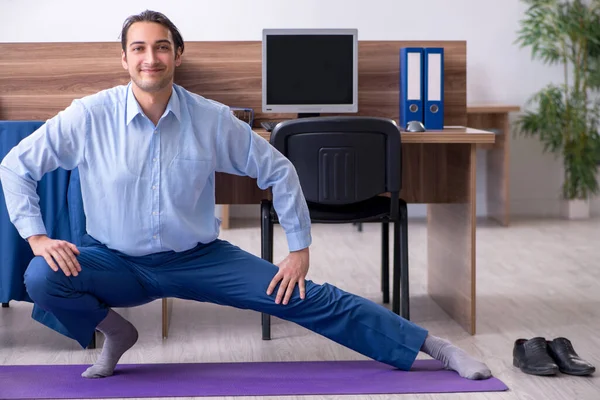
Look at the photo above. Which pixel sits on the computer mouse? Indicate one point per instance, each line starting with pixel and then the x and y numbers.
pixel 415 126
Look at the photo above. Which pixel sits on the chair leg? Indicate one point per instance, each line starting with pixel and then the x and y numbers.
pixel 266 231
pixel 396 272
pixel 404 262
pixel 92 344
pixel 385 261
pixel 166 320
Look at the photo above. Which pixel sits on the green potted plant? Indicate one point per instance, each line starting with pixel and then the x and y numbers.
pixel 566 117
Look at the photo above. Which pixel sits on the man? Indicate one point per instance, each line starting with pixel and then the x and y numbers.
pixel 146 154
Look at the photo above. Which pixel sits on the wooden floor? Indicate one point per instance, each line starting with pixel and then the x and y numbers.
pixel 535 278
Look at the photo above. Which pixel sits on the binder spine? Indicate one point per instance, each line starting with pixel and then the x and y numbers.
pixel 433 112
pixel 411 85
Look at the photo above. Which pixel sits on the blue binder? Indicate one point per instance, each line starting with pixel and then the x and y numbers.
pixel 411 85
pixel 433 93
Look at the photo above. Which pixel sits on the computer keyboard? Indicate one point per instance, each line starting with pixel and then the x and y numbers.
pixel 269 125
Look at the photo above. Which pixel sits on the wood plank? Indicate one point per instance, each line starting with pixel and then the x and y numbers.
pixel 37 80
pixel 450 135
pixel 432 174
pixel 451 245
pixel 233 189
pixel 457 134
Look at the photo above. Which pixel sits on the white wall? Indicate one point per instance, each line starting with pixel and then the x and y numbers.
pixel 497 70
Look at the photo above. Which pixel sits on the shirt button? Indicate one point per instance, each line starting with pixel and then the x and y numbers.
pixel 155 213
pixel 154 159
pixel 154 236
pixel 154 187
pixel 156 131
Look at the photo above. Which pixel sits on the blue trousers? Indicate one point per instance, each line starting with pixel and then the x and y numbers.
pixel 221 273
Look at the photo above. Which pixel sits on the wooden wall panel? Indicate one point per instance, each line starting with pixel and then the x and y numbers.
pixel 37 80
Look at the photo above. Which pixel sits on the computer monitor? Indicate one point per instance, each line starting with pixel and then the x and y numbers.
pixel 310 71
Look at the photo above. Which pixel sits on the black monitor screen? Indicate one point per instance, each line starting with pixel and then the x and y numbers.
pixel 309 69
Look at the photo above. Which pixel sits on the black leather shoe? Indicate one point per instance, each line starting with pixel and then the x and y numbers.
pixel 531 356
pixel 568 361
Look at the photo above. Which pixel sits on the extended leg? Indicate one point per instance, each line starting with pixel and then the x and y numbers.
pixel 224 274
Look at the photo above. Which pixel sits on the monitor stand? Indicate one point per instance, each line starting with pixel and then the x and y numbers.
pixel 308 115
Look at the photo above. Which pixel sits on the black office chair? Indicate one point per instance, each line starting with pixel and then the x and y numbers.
pixel 345 164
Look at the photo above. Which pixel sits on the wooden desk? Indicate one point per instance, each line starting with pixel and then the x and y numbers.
pixel 439 169
pixel 493 116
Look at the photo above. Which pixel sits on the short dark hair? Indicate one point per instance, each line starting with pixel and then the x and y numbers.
pixel 152 16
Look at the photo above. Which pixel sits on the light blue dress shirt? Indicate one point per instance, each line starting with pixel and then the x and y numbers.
pixel 148 188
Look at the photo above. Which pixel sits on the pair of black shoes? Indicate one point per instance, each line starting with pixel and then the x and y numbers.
pixel 539 356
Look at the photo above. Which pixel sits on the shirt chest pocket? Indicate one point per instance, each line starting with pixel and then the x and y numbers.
pixel 186 180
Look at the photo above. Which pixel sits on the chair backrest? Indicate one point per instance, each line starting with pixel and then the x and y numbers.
pixel 342 159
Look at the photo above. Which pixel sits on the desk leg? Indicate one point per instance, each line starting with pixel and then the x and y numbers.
pixel 167 310
pixel 225 216
pixel 451 245
pixel 498 196
pixel 497 164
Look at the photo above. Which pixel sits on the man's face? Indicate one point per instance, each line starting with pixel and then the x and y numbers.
pixel 149 56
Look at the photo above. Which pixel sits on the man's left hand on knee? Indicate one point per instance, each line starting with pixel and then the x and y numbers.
pixel 292 270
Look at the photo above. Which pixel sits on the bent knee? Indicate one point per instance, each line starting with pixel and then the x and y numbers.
pixel 38 276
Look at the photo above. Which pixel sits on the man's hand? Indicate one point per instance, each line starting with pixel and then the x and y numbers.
pixel 292 270
pixel 60 251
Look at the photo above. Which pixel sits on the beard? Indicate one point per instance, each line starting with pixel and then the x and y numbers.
pixel 152 85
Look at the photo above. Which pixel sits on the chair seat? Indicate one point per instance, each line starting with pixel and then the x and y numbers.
pixel 374 209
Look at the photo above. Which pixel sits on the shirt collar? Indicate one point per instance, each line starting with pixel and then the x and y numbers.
pixel 133 107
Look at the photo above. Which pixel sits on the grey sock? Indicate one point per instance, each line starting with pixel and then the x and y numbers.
pixel 455 358
pixel 119 336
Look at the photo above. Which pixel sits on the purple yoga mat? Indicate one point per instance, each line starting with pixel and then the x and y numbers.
pixel 235 379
